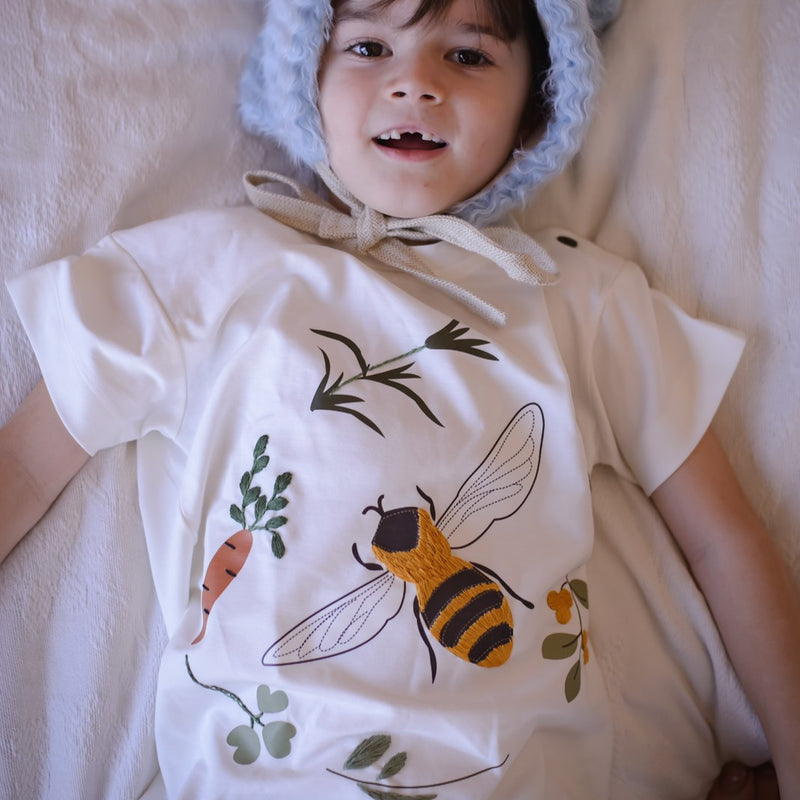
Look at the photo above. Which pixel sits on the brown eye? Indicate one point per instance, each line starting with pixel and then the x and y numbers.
pixel 470 58
pixel 367 49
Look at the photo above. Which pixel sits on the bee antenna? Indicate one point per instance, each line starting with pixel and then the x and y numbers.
pixel 429 501
pixel 378 508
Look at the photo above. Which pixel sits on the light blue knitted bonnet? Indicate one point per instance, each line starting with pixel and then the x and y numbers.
pixel 279 90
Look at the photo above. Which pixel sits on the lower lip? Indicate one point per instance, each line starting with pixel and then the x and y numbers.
pixel 413 156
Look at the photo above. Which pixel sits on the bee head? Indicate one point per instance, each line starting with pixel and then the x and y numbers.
pixel 398 530
pixel 405 538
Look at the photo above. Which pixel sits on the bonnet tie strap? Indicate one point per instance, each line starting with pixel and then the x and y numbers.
pixel 385 238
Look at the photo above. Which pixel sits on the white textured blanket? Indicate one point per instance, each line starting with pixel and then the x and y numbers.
pixel 115 112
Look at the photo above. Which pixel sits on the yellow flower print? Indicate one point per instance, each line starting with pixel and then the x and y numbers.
pixel 585 645
pixel 561 603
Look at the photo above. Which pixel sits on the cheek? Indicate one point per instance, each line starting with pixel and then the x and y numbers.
pixel 334 136
pixel 331 99
pixel 495 142
pixel 325 101
pixel 341 113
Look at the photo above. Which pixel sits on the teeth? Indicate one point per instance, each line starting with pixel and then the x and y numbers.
pixel 396 134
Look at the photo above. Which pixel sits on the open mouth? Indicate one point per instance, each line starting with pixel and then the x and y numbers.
pixel 398 140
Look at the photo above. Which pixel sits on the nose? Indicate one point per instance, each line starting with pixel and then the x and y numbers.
pixel 418 79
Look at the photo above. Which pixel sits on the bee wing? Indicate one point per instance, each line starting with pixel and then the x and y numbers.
pixel 341 626
pixel 500 484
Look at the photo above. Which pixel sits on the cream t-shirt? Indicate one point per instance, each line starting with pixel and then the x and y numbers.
pixel 367 510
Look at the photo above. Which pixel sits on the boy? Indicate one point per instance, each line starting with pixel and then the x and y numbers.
pixel 511 405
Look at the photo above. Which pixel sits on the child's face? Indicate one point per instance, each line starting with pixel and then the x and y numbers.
pixel 449 87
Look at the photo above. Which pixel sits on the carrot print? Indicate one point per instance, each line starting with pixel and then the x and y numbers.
pixel 222 569
pixel 229 559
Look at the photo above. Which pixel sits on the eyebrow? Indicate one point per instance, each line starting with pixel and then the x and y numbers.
pixel 482 30
pixel 347 12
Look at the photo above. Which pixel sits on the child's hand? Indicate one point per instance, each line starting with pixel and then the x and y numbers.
pixel 738 782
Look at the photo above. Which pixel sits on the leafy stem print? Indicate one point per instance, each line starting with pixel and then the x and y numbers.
pixel 389 372
pixel 369 752
pixel 557 646
pixel 277 735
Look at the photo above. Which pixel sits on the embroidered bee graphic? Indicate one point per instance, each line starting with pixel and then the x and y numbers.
pixel 460 603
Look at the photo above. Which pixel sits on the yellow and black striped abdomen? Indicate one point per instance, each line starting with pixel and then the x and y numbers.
pixel 468 614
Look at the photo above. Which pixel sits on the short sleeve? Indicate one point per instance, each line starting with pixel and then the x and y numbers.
pixel 108 353
pixel 659 376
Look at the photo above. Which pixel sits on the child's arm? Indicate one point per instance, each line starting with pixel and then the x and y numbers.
pixel 755 603
pixel 38 457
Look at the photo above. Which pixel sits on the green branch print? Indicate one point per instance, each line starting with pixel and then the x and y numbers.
pixel 329 397
pixel 253 496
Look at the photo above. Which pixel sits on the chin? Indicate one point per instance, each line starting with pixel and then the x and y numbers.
pixel 410 207
pixel 406 213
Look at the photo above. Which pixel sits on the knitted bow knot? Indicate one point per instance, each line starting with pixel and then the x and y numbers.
pixel 371 228
pixel 368 231
pixel 362 231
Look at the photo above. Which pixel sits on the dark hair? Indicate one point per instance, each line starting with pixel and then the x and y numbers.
pixel 509 17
